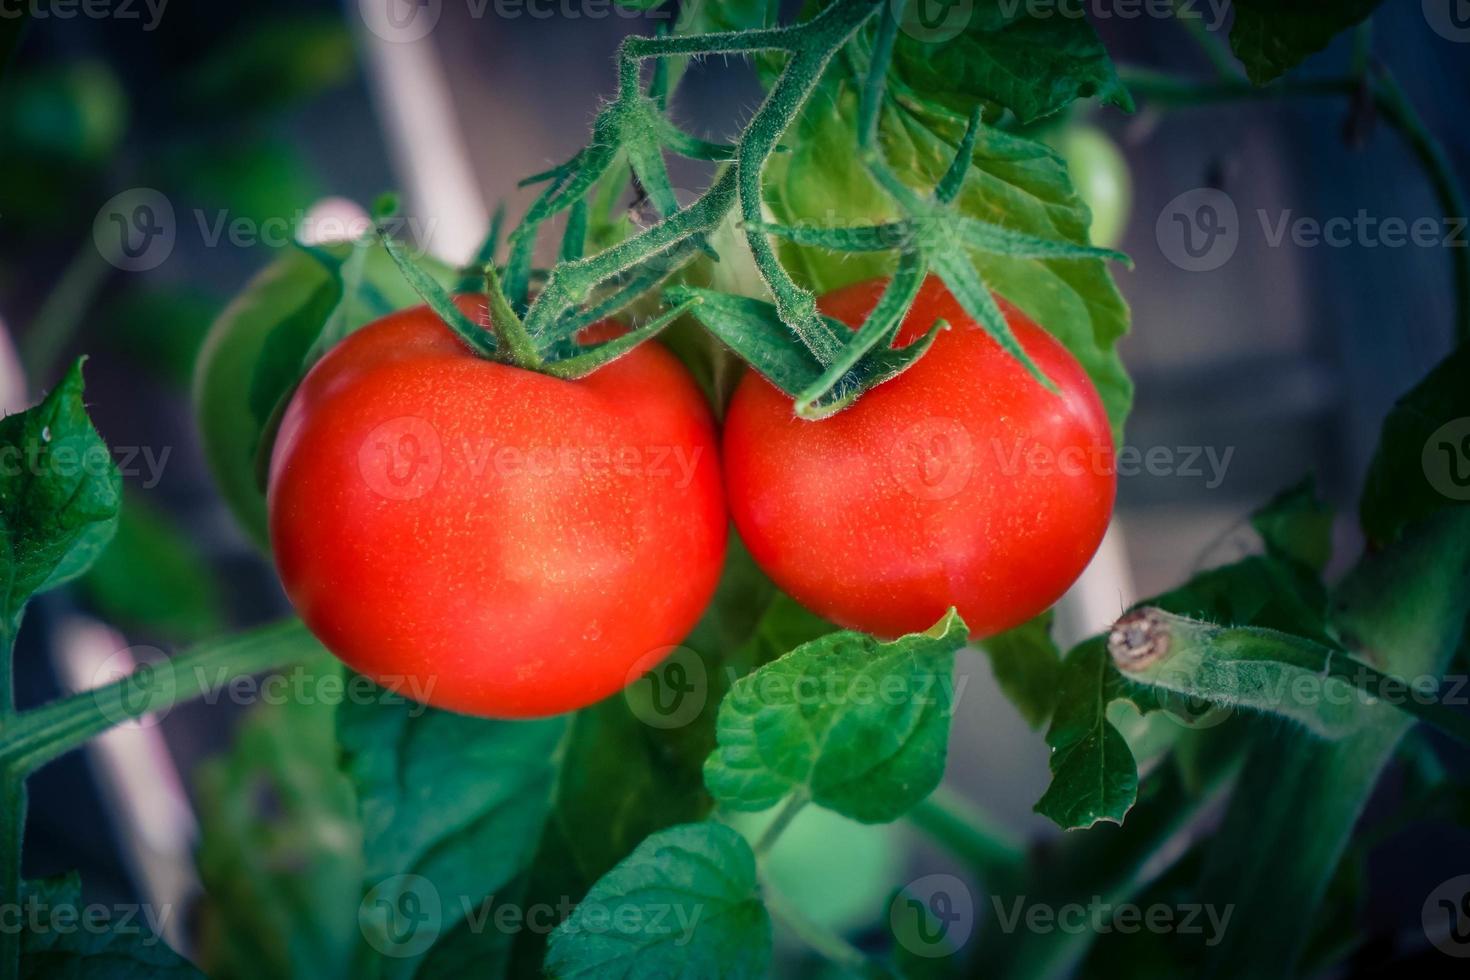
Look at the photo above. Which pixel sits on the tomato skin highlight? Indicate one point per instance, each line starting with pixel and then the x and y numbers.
pixel 488 539
pixel 962 482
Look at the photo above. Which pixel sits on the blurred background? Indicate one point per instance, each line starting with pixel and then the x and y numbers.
pixel 1277 363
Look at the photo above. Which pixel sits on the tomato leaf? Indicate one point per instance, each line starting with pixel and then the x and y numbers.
pixel 1007 57
pixel 59 497
pixel 639 757
pixel 1014 183
pixel 1271 37
pixel 685 903
pixel 1093 774
pixel 1027 665
pixel 363 284
pixel 1423 460
pixel 63 949
pixel 859 726
pixel 1108 860
pixel 280 844
pixel 451 810
pixel 1296 526
pixel 1403 609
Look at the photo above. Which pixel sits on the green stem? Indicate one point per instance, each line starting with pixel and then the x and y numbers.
pixel 812 45
pixel 63 310
pixel 32 738
pixel 1169 91
pixel 1214 52
pixel 828 944
pixel 793 805
pixel 969 833
pixel 1400 113
pixel 514 341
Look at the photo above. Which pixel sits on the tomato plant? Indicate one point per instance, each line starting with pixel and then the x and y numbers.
pixel 963 483
pixel 475 533
pixel 577 728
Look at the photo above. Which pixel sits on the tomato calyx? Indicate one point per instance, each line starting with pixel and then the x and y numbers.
pixel 505 337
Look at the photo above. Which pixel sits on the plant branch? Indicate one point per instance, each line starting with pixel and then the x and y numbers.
pixel 793 805
pixel 32 738
pixel 969 833
pixel 634 118
pixel 829 945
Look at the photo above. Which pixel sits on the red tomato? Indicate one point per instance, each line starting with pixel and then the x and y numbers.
pixel 488 539
pixel 962 482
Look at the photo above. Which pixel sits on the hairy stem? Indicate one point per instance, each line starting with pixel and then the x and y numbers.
pixel 812 45
pixel 793 805
pixel 35 737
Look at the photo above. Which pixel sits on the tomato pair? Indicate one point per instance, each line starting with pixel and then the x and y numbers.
pixel 499 542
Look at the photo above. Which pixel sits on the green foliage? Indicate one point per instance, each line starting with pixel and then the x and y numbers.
pixel 1271 37
pixel 61 949
pixel 61 492
pixel 443 830
pixel 277 63
pixel 362 284
pixel 1027 666
pixel 1424 444
pixel 73 114
pixel 1013 182
pixel 857 726
pixel 280 844
pixel 1008 58
pixel 1297 526
pixel 1299 799
pixel 686 902
pixel 1093 774
pixel 622 777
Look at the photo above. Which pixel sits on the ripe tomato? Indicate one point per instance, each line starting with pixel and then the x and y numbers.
pixel 488 539
pixel 962 482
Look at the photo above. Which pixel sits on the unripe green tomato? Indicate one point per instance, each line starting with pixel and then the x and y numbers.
pixel 1101 176
pixel 227 428
pixel 226 363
